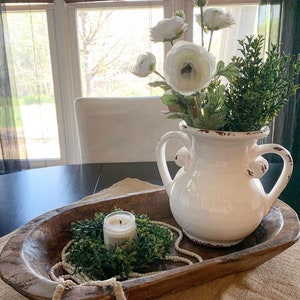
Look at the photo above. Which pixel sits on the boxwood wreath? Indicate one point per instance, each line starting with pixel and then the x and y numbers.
pixel 90 256
pixel 86 261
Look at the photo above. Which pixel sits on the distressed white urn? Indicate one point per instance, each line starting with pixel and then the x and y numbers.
pixel 217 197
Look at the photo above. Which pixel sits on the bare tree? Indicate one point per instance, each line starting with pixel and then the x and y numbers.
pixel 97 49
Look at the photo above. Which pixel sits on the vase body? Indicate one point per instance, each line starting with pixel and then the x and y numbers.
pixel 217 197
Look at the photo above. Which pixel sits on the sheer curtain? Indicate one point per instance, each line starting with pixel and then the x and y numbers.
pixel 279 21
pixel 12 146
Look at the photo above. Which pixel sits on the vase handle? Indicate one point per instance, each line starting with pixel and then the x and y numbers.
pixel 161 154
pixel 285 175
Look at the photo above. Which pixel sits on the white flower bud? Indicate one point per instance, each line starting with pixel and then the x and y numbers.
pixel 145 65
pixel 200 3
pixel 215 19
pixel 168 29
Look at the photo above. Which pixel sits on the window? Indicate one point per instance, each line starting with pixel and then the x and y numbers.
pixel 109 40
pixel 30 65
pixel 61 51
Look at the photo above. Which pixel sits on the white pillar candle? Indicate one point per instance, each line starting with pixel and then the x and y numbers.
pixel 117 227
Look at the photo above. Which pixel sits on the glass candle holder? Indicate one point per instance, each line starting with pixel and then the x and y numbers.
pixel 117 227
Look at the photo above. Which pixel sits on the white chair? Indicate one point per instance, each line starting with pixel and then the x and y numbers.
pixel 122 129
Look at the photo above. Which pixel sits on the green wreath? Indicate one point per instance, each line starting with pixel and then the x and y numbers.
pixel 89 255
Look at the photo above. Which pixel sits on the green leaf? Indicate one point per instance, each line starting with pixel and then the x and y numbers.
pixel 162 84
pixel 229 72
pixel 220 67
pixel 169 99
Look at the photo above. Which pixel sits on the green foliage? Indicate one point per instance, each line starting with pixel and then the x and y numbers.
pixel 229 72
pixel 35 99
pixel 204 109
pixel 211 115
pixel 262 88
pixel 256 91
pixel 89 254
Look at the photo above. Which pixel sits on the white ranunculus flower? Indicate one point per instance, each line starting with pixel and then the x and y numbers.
pixel 145 65
pixel 189 67
pixel 215 19
pixel 168 29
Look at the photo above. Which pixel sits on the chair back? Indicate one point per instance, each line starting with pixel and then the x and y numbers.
pixel 122 129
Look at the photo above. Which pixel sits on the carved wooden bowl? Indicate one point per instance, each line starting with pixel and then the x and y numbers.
pixel 29 254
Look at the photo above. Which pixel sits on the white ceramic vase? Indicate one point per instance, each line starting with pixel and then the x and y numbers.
pixel 216 196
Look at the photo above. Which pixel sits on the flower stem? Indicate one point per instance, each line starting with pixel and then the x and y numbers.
pixel 202 24
pixel 157 73
pixel 210 40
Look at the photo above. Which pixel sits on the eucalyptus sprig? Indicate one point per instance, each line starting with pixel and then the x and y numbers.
pixel 89 255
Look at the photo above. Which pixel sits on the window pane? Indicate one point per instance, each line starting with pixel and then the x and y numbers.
pixel 109 43
pixel 31 73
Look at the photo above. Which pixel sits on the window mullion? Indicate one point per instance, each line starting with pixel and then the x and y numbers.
pixel 56 84
pixel 74 51
pixel 65 80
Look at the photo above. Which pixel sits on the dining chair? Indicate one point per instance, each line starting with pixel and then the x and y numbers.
pixel 122 129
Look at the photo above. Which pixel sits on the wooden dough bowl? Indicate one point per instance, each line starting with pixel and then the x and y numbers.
pixel 33 249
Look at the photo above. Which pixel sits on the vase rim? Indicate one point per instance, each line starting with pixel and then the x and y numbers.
pixel 263 132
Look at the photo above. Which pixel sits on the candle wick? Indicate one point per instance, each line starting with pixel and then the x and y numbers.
pixel 120 222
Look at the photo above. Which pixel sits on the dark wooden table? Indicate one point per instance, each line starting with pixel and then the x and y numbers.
pixel 28 194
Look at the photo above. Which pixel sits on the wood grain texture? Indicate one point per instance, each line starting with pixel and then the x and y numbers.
pixel 29 254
